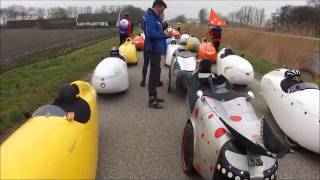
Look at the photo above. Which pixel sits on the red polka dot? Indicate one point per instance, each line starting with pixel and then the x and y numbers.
pixel 198 168
pixel 255 136
pixel 210 116
pixel 235 118
pixel 204 161
pixel 202 135
pixel 211 168
pixel 219 132
pixel 208 142
pixel 196 113
pixel 217 151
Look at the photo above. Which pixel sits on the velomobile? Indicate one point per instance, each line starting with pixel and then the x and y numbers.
pixel 193 44
pixel 182 65
pixel 59 141
pixel 207 51
pixel 235 68
pixel 139 41
pixel 129 51
pixel 297 111
pixel 172 47
pixel 111 74
pixel 223 138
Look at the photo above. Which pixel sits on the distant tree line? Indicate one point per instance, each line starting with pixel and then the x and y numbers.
pixel 247 16
pixel 303 20
pixel 20 12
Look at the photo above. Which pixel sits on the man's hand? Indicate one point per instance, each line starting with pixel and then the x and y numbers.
pixel 167 34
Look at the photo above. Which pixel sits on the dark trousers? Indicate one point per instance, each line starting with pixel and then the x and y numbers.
pixel 146 60
pixel 155 72
pixel 216 45
pixel 122 38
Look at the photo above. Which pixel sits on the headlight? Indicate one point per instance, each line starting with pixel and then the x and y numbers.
pixel 102 85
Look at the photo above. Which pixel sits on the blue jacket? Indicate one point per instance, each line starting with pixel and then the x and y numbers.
pixel 155 40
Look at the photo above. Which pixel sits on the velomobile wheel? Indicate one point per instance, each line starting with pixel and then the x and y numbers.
pixel 187 149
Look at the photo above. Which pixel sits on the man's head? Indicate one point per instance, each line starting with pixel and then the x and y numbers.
pixel 159 6
pixel 126 15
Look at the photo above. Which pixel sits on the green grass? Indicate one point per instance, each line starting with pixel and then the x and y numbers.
pixel 26 88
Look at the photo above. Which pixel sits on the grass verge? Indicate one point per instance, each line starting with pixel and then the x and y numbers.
pixel 263 66
pixel 26 88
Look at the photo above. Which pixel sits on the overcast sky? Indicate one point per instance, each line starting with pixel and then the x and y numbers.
pixel 175 7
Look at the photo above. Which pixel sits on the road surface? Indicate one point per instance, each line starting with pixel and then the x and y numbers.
pixel 141 143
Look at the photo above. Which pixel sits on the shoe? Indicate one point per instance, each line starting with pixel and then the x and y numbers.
pixel 142 84
pixel 155 105
pixel 159 100
pixel 160 84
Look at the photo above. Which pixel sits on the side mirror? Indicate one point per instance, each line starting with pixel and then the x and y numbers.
pixel 200 95
pixel 250 95
pixel 242 55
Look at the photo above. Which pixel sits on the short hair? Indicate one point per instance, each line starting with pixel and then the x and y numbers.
pixel 159 3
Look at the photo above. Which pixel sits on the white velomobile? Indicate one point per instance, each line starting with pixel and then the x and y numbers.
pixel 111 74
pixel 223 137
pixel 183 64
pixel 235 68
pixel 172 47
pixel 296 112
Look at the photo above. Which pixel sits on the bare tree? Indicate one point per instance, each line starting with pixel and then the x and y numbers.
pixel 181 18
pixel 247 15
pixel 57 12
pixel 72 11
pixel 14 11
pixel 203 15
pixel 88 10
pixel 102 9
pixel 314 3
pixel 40 12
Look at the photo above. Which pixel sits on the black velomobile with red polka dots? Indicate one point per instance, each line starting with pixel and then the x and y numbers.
pixel 223 137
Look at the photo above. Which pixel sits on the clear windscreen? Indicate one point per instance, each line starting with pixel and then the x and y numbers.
pixel 302 86
pixel 49 110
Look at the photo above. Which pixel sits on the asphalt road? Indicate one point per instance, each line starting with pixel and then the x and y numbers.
pixel 137 142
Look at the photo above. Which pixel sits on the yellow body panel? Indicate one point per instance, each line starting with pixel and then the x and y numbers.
pixel 51 147
pixel 129 51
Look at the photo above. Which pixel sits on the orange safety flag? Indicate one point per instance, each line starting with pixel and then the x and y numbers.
pixel 215 19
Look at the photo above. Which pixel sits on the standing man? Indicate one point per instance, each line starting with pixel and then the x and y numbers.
pixel 155 46
pixel 146 60
pixel 215 33
pixel 125 28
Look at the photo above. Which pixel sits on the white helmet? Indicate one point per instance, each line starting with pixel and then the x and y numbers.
pixel 184 39
pixel 289 74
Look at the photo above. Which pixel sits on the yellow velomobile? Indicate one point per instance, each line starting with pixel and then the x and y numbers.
pixel 59 141
pixel 129 51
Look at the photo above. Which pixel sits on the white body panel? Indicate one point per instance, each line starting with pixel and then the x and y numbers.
pixel 297 113
pixel 110 76
pixel 205 122
pixel 235 68
pixel 181 65
pixel 169 55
